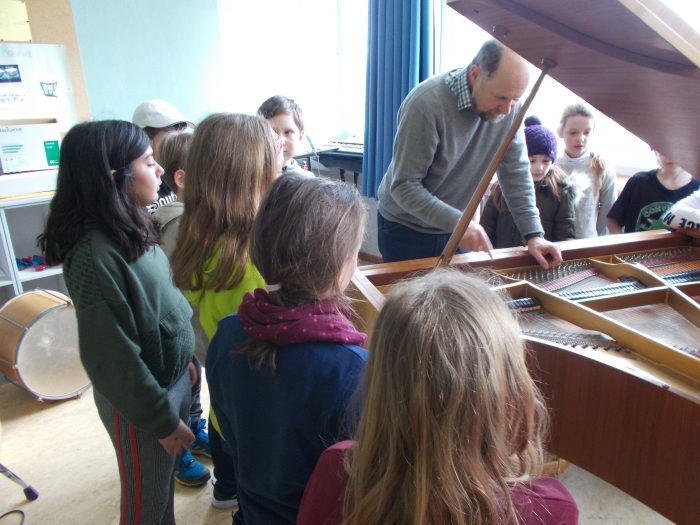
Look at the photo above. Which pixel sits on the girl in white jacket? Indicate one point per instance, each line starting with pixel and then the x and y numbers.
pixel 592 180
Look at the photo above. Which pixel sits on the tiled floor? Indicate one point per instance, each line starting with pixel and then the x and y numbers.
pixel 62 450
pixel 602 504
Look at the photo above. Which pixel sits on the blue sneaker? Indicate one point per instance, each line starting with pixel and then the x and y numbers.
pixel 201 441
pixel 190 472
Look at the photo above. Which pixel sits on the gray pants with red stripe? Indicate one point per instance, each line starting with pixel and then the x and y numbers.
pixel 145 469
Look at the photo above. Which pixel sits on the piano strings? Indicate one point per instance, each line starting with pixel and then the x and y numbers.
pixel 658 321
pixel 675 266
pixel 681 264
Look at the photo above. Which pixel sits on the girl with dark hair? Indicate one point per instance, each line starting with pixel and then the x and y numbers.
pixel 283 371
pixel 135 338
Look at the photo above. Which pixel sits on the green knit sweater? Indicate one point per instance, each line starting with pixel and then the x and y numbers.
pixel 134 328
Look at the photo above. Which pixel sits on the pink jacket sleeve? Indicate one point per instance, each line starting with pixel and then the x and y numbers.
pixel 544 501
pixel 322 503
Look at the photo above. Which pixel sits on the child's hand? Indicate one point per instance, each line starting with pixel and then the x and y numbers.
pixel 192 370
pixel 179 440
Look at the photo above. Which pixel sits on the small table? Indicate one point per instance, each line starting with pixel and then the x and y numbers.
pixel 343 160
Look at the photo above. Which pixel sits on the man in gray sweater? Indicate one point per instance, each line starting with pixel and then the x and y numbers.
pixel 449 128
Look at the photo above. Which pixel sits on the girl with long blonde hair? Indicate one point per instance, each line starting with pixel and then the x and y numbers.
pixel 452 423
pixel 232 160
pixel 592 179
pixel 231 163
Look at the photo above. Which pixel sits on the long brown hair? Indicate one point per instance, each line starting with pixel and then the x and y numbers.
pixel 554 179
pixel 305 231
pixel 232 161
pixel 450 412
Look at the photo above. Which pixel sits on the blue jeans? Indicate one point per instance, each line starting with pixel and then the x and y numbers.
pixel 196 406
pixel 401 243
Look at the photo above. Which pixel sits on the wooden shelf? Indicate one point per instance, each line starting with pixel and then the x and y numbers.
pixel 28 199
pixel 29 274
pixel 20 184
pixel 18 219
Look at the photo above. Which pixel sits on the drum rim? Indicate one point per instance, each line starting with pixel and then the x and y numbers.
pixel 53 293
pixel 44 397
pixel 64 302
pixel 44 313
pixel 25 328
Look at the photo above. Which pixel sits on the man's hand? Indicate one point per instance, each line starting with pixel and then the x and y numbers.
pixel 539 248
pixel 475 239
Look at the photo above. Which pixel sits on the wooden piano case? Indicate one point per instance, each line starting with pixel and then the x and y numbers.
pixel 614 336
pixel 617 359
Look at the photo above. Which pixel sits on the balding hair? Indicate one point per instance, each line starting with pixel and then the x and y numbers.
pixel 489 57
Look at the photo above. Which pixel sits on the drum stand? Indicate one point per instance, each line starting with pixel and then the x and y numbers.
pixel 29 491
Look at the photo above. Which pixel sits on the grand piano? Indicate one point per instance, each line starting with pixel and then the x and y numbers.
pixel 614 334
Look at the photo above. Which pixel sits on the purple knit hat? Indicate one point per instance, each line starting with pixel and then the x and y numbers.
pixel 539 139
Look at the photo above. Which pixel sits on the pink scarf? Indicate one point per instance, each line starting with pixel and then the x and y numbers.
pixel 307 323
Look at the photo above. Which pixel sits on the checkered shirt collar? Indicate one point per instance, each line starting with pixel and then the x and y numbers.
pixel 457 81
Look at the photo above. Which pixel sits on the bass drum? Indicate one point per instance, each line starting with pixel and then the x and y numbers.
pixel 39 345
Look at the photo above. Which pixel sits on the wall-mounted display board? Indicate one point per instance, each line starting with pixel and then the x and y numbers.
pixel 35 84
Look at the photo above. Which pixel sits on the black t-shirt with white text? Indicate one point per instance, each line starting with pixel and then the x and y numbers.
pixel 644 201
pixel 165 196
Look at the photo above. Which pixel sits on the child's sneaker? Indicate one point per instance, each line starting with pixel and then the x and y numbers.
pixel 201 440
pixel 191 472
pixel 22 264
pixel 38 263
pixel 220 500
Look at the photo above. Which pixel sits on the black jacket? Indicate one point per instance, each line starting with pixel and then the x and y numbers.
pixel 557 218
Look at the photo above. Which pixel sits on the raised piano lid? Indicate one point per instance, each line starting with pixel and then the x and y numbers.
pixel 634 60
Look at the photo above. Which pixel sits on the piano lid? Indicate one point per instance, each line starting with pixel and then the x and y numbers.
pixel 634 60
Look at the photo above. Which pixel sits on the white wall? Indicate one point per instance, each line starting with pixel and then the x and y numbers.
pixel 134 50
pixel 227 55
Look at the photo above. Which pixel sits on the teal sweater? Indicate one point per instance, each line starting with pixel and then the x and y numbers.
pixel 134 328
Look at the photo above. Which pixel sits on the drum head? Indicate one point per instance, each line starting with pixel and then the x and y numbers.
pixel 48 360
